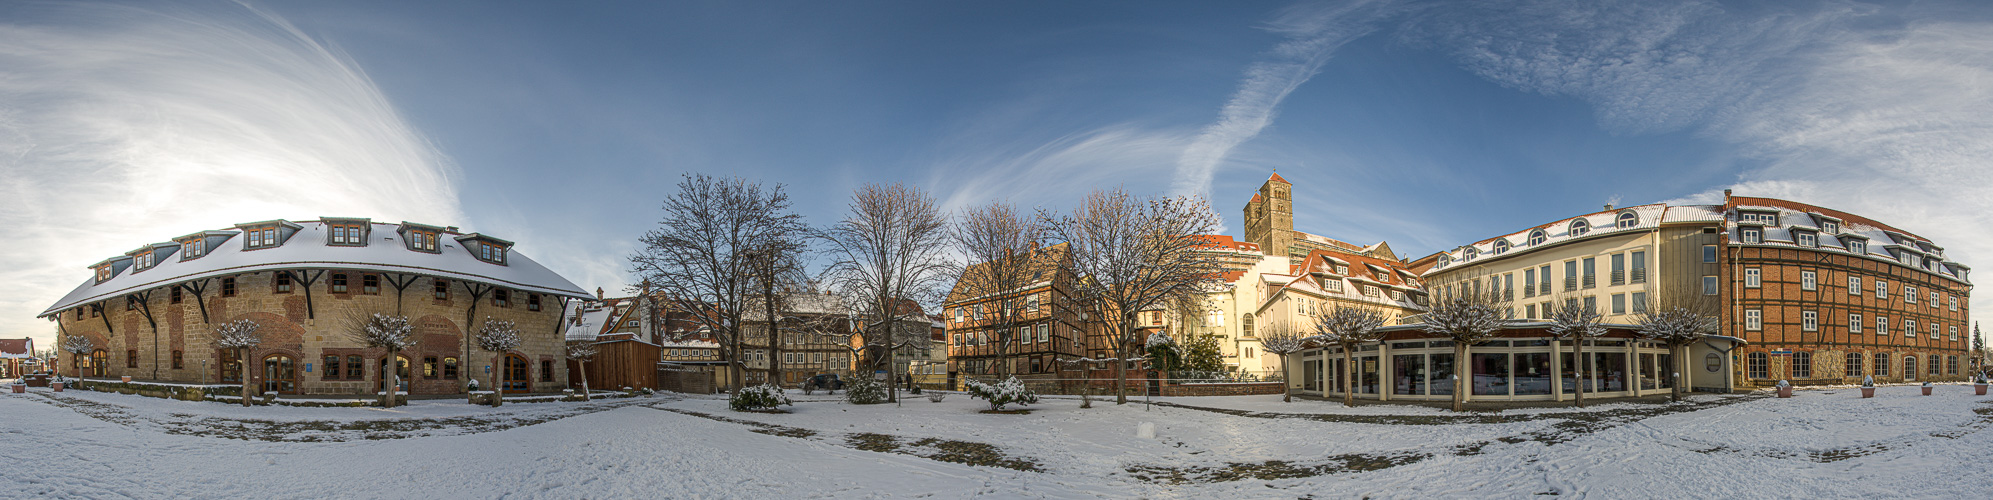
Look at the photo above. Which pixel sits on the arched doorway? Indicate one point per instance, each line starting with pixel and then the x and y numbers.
pixel 97 361
pixel 400 373
pixel 517 376
pixel 1909 368
pixel 280 374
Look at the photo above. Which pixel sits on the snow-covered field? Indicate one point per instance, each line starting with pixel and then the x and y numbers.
pixel 1823 443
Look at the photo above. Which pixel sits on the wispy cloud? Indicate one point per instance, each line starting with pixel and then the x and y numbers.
pixel 1312 33
pixel 1057 170
pixel 1881 111
pixel 122 125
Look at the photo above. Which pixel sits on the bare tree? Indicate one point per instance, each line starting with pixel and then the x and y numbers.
pixel 393 334
pixel 1280 339
pixel 1578 323
pixel 700 256
pixel 1466 318
pixel 1349 326
pixel 1678 321
pixel 581 353
pixel 241 336
pixel 1136 254
pixel 888 253
pixel 498 337
pixel 775 273
pixel 997 240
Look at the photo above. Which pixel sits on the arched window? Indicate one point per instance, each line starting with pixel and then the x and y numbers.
pixel 1626 219
pixel 1537 237
pixel 1444 259
pixel 1470 254
pixel 1580 227
pixel 1501 246
pixel 1247 324
pixel 1909 368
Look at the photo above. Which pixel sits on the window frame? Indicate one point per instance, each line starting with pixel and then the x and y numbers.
pixel 1757 366
pixel 1626 220
pixel 1809 280
pixel 1754 320
pixel 439 288
pixel 1852 364
pixel 1809 321
pixel 1854 285
pixel 1753 277
pixel 1854 323
pixel 1752 236
pixel 337 283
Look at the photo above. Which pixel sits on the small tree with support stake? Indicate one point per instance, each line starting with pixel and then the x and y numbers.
pixel 239 335
pixel 499 337
pixel 1278 339
pixel 1349 327
pixel 394 334
pixel 580 353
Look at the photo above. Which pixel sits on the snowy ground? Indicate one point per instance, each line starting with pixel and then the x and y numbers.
pixel 1822 443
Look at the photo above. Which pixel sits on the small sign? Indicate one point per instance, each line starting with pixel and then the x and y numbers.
pixel 307 367
pixel 1781 352
pixel 487 368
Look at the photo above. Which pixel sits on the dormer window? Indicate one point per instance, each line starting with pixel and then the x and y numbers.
pixel 142 261
pixel 1753 235
pixel 422 240
pixel 1626 220
pixel 103 273
pixel 1471 253
pixel 193 249
pixel 1858 247
pixel 1342 270
pixel 491 253
pixel 1766 218
pixel 348 234
pixel 1580 227
pixel 1830 227
pixel 1501 246
pixel 262 237
pixel 1537 237
pixel 1806 239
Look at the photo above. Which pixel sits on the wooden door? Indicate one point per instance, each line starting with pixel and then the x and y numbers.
pixel 280 374
pixel 517 375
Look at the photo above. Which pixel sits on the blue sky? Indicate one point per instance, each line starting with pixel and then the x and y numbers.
pixel 561 125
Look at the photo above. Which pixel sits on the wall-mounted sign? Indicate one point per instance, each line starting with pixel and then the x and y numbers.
pixel 1712 362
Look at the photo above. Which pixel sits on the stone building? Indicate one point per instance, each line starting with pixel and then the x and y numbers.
pixel 151 313
pixel 1048 324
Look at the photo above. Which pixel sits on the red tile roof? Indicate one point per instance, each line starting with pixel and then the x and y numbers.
pixel 1225 241
pixel 1276 177
pixel 14 346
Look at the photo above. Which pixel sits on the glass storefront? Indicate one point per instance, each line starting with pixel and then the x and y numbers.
pixel 1505 369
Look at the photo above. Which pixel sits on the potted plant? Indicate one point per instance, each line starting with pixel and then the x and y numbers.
pixel 20 385
pixel 1979 385
pixel 1784 389
pixel 57 384
pixel 125 379
pixel 1868 387
pixel 1927 388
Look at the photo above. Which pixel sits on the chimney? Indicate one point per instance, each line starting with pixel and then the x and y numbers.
pixel 1608 207
pixel 598 293
pixel 450 229
pixel 1726 193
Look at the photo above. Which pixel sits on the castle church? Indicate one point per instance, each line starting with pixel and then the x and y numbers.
pixel 1269 220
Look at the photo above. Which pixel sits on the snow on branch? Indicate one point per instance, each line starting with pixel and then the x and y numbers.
pixel 78 344
pixel 1572 320
pixel 581 351
pixel 238 334
pixel 1348 325
pixel 497 335
pixel 385 331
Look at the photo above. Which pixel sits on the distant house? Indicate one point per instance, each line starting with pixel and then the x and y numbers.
pixel 17 356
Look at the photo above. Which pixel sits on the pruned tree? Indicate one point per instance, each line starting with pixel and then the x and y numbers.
pixel 390 333
pixel 888 253
pixel 581 353
pixel 1136 254
pixel 1578 323
pixel 1348 326
pixel 1677 321
pixel 1465 318
pixel 774 274
pixel 498 337
pixel 999 243
pixel 241 336
pixel 1280 339
pixel 1162 351
pixel 79 347
pixel 701 255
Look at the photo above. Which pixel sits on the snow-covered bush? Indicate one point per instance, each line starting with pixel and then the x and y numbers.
pixel 471 386
pixel 762 397
pixel 1868 382
pixel 865 390
pixel 1002 393
pixel 936 397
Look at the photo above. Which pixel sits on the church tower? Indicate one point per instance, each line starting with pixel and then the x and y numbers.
pixel 1269 217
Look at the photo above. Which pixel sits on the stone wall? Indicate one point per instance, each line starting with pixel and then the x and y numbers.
pixel 1238 389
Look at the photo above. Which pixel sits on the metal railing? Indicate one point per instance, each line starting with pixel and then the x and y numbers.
pixel 1639 275
pixel 1618 277
pixel 1591 280
pixel 1571 283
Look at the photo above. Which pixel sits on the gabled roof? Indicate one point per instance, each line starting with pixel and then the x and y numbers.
pixel 1276 178
pixel 1601 223
pixel 17 347
pixel 1045 263
pixel 309 252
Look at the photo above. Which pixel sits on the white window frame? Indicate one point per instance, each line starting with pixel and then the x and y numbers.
pixel 1537 237
pixel 1881 290
pixel 1626 220
pixel 1954 303
pixel 1754 320
pixel 1881 325
pixel 1909 327
pixel 1753 277
pixel 1954 332
pixel 1935 331
pixel 1910 294
pixel 1044 332
pixel 1753 236
pixel 1934 300
pixel 1854 285
pixel 1807 240
pixel 1709 254
pixel 1858 247
pixel 1809 321
pixel 1854 323
pixel 1710 286
pixel 1579 227
pixel 1809 280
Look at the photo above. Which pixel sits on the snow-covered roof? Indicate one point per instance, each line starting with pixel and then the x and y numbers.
pixel 309 247
pixel 595 316
pixel 1882 243
pixel 690 344
pixel 1693 213
pixel 1596 224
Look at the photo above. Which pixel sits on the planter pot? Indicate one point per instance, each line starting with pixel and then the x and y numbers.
pixel 1868 392
pixel 57 386
pixel 1785 392
pixel 125 379
pixel 1979 389
pixel 1927 390
pixel 18 388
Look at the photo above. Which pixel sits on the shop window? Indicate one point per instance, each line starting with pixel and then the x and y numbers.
pixel 1757 365
pixel 1802 365
pixel 429 368
pixel 331 369
pixel 450 368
